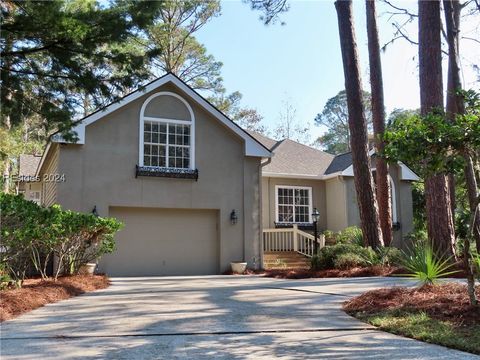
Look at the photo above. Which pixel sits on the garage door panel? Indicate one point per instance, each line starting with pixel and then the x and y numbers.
pixel 164 242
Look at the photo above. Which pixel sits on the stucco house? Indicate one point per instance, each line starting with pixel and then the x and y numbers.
pixel 195 190
pixel 298 177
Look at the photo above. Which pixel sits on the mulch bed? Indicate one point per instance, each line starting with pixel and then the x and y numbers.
pixel 446 302
pixel 333 273
pixel 36 293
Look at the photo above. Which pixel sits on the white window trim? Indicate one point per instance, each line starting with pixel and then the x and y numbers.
pixel 394 200
pixel 144 118
pixel 310 205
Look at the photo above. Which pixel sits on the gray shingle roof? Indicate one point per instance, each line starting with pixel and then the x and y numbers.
pixel 292 158
pixel 339 163
pixel 28 165
pixel 262 139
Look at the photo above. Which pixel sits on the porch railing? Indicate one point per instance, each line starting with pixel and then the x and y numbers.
pixel 290 239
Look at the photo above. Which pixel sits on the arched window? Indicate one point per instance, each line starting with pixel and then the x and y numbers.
pixel 393 197
pixel 167 132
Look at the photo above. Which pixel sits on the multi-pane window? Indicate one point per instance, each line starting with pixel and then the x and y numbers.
pixel 293 204
pixel 166 145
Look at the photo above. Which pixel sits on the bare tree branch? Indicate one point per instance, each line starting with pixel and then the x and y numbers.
pixel 402 11
pixel 472 39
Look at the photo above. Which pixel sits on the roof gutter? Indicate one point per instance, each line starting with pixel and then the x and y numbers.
pixel 266 162
pixel 300 176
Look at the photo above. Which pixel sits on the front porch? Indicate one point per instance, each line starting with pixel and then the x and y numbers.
pixel 288 248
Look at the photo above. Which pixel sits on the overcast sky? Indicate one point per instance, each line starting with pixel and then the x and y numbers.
pixel 301 60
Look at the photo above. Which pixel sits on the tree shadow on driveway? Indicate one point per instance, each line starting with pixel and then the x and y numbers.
pixel 207 317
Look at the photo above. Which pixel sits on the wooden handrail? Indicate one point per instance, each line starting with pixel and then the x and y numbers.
pixel 291 239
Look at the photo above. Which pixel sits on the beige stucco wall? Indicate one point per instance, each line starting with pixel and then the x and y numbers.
pixel 102 173
pixel 404 205
pixel 336 204
pixel 269 200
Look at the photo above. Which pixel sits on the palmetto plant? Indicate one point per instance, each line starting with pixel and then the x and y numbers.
pixel 422 264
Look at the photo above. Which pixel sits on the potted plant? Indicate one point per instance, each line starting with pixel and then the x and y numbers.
pixel 87 269
pixel 238 267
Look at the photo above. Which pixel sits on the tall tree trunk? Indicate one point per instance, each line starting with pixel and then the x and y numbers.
pixel 378 115
pixel 358 128
pixel 439 212
pixel 6 100
pixel 473 194
pixel 455 103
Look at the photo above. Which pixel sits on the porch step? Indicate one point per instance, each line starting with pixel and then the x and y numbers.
pixel 285 260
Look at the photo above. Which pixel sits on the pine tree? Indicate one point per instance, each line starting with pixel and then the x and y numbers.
pixel 358 128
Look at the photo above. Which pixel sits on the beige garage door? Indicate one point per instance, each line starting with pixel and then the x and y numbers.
pixel 164 242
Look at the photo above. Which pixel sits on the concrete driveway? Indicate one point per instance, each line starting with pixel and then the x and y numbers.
pixel 226 317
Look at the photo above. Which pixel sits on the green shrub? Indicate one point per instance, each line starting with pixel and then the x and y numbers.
pixel 349 260
pixel 32 234
pixel 422 264
pixel 418 236
pixel 329 254
pixel 5 279
pixel 390 256
pixel 20 221
pixel 82 238
pixel 330 237
pixel 350 235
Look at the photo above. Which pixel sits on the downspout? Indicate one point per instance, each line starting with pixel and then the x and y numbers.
pixel 262 164
pixel 265 163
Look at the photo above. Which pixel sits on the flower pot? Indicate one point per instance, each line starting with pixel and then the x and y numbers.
pixel 238 267
pixel 87 269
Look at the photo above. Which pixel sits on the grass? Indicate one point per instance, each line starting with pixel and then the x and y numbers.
pixel 420 326
pixel 438 314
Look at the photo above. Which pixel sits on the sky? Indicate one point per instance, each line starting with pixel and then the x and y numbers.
pixel 300 62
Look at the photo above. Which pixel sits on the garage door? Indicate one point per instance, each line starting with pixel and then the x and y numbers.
pixel 163 242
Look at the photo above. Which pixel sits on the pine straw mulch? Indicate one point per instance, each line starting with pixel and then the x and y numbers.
pixel 444 302
pixel 333 273
pixel 35 293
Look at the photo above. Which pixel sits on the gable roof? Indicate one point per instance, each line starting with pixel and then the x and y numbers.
pixel 343 165
pixel 252 146
pixel 339 163
pixel 293 159
pixel 27 165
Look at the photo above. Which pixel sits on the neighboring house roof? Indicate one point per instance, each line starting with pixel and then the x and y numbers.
pixel 252 146
pixel 28 165
pixel 339 163
pixel 262 139
pixel 293 159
